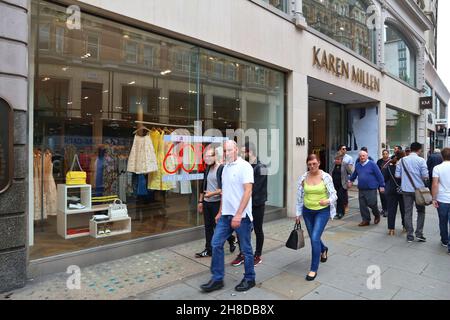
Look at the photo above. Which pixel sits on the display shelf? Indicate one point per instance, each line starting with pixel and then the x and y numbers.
pixel 117 226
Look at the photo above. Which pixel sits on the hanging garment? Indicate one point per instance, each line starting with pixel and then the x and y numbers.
pixel 49 186
pixel 37 185
pixel 99 175
pixel 110 174
pixel 142 157
pixel 155 181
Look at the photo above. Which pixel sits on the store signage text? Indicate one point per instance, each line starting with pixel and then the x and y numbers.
pixel 426 102
pixel 340 68
pixel 6 145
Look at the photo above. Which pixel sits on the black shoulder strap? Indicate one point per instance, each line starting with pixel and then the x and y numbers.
pixel 219 176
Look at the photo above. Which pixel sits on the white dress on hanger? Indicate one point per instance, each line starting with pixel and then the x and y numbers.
pixel 142 157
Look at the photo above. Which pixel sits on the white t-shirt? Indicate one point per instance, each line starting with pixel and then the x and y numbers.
pixel 234 176
pixel 442 171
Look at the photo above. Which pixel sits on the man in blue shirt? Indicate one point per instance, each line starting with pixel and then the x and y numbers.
pixel 417 168
pixel 370 180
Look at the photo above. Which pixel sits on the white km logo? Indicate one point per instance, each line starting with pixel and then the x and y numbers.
pixel 374 281
pixel 73 21
pixel 74 281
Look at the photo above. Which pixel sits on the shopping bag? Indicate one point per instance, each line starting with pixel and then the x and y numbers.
pixel 76 177
pixel 296 238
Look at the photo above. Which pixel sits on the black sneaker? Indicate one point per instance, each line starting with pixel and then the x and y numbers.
pixel 421 239
pixel 203 254
pixel 445 245
pixel 410 240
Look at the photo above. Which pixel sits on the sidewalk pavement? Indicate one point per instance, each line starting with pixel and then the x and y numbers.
pixel 408 270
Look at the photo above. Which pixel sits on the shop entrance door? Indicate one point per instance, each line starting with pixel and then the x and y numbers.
pixel 326 130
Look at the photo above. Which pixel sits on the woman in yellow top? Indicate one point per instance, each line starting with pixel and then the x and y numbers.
pixel 316 199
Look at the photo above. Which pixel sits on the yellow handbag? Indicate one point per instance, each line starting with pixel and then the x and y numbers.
pixel 76 177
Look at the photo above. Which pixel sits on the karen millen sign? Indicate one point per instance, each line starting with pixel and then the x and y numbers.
pixel 340 68
pixel 6 145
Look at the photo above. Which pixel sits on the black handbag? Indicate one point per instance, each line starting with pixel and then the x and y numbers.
pixel 296 238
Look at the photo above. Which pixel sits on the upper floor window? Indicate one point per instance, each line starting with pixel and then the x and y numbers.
pixel 60 32
pixel 345 22
pixel 399 58
pixel 44 36
pixel 148 56
pixel 92 45
pixel 279 4
pixel 131 52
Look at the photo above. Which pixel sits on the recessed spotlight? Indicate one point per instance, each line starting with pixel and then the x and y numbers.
pixel 126 36
pixel 64 68
pixel 46 79
pixel 331 93
pixel 85 98
pixel 132 82
pixel 105 91
pixel 70 102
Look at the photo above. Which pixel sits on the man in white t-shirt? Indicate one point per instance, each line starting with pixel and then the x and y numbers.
pixel 441 196
pixel 235 214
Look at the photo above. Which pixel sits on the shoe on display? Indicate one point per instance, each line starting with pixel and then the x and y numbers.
pixel 101 232
pixel 73 198
pixel 77 206
pixel 107 231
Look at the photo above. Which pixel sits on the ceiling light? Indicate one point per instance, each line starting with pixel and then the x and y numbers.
pixel 341 28
pixel 331 93
pixel 126 36
pixel 65 68
pixel 46 79
pixel 132 82
pixel 70 102
pixel 105 91
pixel 166 72
pixel 85 98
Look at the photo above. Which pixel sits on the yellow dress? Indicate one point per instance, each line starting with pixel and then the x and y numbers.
pixel 155 179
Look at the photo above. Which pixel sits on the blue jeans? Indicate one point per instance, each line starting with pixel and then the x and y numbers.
pixel 444 221
pixel 222 232
pixel 315 222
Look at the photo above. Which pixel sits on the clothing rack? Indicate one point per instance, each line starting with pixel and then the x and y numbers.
pixel 165 124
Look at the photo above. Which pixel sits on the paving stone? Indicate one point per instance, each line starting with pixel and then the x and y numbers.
pixel 325 292
pixel 418 283
pixel 290 285
pixel 179 291
pixel 255 293
pixel 405 294
pixel 372 241
pixel 195 282
pixel 439 272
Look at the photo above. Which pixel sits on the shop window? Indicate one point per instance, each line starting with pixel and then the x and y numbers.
pixel 92 112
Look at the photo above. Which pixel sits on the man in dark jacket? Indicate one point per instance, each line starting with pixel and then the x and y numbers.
pixel 433 160
pixel 259 198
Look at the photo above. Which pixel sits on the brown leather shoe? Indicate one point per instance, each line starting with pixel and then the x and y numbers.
pixel 377 219
pixel 364 224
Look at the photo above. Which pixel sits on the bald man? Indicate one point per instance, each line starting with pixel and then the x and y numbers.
pixel 235 214
pixel 370 180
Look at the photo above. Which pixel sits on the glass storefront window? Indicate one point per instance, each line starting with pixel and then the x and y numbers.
pixel 399 57
pixel 92 85
pixel 400 129
pixel 343 21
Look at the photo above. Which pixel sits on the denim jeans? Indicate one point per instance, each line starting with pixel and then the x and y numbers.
pixel 315 222
pixel 222 232
pixel 444 221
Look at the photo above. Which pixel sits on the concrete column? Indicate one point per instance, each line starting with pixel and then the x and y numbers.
pixel 297 126
pixel 381 127
pixel 300 21
pixel 14 90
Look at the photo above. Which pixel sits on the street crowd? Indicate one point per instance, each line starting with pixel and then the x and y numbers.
pixel 233 199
